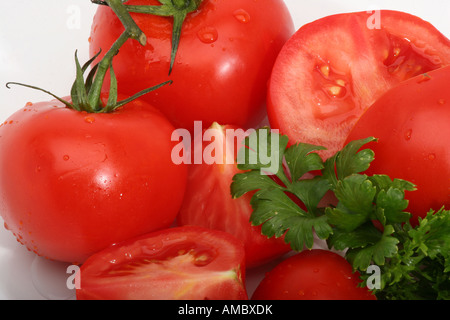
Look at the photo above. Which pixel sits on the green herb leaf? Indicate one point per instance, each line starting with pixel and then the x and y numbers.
pixel 414 262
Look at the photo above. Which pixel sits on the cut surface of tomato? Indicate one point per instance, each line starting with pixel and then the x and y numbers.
pixel 334 68
pixel 209 203
pixel 173 264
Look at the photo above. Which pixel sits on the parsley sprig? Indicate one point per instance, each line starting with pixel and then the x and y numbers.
pixel 289 202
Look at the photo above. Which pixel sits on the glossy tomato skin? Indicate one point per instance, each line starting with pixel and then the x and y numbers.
pixel 333 69
pixel 209 203
pixel 224 60
pixel 312 275
pixel 180 263
pixel 72 182
pixel 412 124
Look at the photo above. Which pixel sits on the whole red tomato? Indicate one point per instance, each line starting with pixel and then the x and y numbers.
pixel 312 275
pixel 73 182
pixel 224 60
pixel 412 124
pixel 185 263
pixel 330 72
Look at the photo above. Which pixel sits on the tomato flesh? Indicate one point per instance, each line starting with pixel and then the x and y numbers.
pixel 411 122
pixel 312 275
pixel 330 72
pixel 208 201
pixel 173 264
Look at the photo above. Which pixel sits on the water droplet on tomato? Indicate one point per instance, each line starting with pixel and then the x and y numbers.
pixel 207 34
pixel 442 102
pixel 29 104
pixel 431 156
pixel 408 135
pixel 6 226
pixel 301 293
pixel 241 15
pixel 423 78
pixel 66 157
pixel 89 119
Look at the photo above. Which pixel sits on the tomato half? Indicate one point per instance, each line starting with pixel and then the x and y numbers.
pixel 181 263
pixel 334 68
pixel 225 56
pixel 73 182
pixel 312 275
pixel 412 123
pixel 208 201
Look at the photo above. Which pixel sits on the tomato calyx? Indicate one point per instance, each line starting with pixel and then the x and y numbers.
pixel 178 9
pixel 86 93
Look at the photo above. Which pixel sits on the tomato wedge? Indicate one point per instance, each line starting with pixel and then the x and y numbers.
pixel 180 263
pixel 333 69
pixel 209 203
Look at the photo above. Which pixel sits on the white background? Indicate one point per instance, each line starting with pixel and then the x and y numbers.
pixel 37 44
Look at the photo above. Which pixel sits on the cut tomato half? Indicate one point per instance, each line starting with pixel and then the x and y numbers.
pixel 182 263
pixel 333 69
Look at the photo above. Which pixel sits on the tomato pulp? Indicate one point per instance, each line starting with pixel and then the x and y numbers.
pixel 334 68
pixel 412 124
pixel 209 203
pixel 225 57
pixel 181 263
pixel 73 182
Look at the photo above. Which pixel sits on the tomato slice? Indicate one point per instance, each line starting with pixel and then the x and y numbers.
pixel 209 203
pixel 334 68
pixel 178 263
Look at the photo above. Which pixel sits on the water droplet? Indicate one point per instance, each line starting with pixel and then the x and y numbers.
pixel 316 270
pixel 408 135
pixel 431 156
pixel 66 157
pixel 441 102
pixel 424 78
pixel 301 293
pixel 241 15
pixel 89 119
pixel 29 104
pixel 207 34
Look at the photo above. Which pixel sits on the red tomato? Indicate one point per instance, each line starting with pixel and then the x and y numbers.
pixel 333 69
pixel 412 123
pixel 181 263
pixel 208 201
pixel 73 182
pixel 223 63
pixel 312 275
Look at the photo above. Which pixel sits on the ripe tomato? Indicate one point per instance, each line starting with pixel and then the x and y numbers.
pixel 73 182
pixel 223 63
pixel 181 263
pixel 412 123
pixel 208 201
pixel 312 275
pixel 333 69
